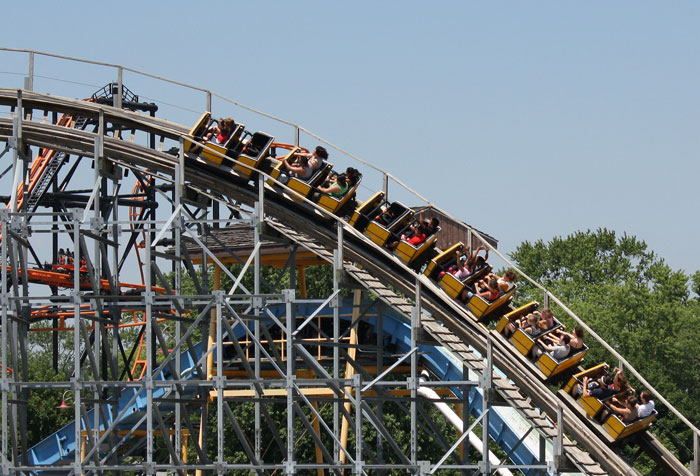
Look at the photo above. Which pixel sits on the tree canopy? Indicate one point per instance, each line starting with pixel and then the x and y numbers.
pixel 641 307
pixel 645 310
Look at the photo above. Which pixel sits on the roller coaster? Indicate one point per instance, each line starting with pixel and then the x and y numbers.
pixel 208 351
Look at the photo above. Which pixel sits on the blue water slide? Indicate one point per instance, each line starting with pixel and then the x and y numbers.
pixel 59 448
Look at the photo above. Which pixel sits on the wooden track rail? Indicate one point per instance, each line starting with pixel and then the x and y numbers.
pixel 448 323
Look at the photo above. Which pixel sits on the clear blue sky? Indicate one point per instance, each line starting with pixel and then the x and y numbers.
pixel 525 119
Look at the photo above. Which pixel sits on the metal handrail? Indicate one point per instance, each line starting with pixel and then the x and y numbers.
pixel 600 340
pixel 99 63
pixel 223 98
pixel 209 93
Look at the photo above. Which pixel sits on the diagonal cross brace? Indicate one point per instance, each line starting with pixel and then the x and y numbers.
pixel 458 442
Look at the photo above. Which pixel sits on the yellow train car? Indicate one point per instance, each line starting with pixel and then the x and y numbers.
pixel 306 187
pixel 300 187
pixel 411 253
pixel 250 157
pixel 454 286
pixel 591 405
pixel 380 233
pixel 574 387
pixel 253 153
pixel 515 314
pixel 482 308
pixel 440 262
pixel 577 379
pixel 277 169
pixel 197 131
pixel 215 153
pixel 612 423
pixel 551 366
pixel 337 205
pixel 365 213
pixel 618 429
pixel 211 151
pixel 524 343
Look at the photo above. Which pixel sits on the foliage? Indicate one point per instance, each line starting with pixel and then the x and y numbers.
pixel 319 280
pixel 43 416
pixel 642 308
pixel 646 311
pixel 395 417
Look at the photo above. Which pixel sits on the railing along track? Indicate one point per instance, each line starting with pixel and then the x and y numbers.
pixel 450 324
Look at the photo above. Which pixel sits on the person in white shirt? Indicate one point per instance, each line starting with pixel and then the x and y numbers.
pixel 645 408
pixel 558 352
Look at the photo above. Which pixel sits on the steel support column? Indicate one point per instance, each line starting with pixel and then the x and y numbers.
pixel 5 457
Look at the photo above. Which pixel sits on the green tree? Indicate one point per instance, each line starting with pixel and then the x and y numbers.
pixel 641 307
pixel 43 416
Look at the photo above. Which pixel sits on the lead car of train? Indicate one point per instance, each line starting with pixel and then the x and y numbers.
pixel 242 155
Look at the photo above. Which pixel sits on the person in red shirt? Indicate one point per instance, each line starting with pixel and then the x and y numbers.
pixel 490 293
pixel 414 236
pixel 417 234
pixel 220 132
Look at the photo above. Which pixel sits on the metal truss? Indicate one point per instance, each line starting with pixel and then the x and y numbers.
pixel 211 354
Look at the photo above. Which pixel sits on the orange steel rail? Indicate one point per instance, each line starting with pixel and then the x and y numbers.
pixel 62 277
pixel 39 165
